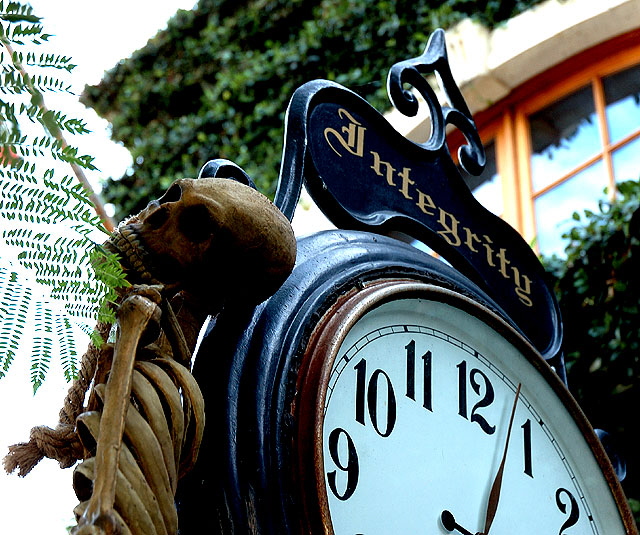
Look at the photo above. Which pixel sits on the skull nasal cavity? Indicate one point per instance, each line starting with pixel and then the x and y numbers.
pixel 195 223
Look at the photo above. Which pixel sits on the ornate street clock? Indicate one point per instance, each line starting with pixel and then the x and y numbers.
pixel 382 390
pixel 424 412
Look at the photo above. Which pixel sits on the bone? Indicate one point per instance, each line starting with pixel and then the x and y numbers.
pixel 147 453
pixel 204 243
pixel 134 314
pixel 151 406
pixel 83 476
pixel 195 404
pixel 172 399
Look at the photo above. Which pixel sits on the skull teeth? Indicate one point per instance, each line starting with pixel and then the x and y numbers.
pixel 129 246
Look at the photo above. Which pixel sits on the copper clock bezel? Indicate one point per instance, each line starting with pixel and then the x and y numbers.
pixel 316 365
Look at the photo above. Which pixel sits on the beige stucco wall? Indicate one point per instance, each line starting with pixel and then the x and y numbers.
pixel 488 64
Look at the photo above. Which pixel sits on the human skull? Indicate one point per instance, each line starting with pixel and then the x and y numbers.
pixel 212 237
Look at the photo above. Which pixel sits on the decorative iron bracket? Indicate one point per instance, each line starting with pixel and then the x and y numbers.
pixel 364 175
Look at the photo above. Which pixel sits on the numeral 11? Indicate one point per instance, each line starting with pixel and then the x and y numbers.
pixel 426 375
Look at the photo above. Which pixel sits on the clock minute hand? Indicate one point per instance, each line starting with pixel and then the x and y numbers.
pixel 494 494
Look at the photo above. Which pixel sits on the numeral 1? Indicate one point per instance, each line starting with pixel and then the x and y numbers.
pixel 426 375
pixel 526 431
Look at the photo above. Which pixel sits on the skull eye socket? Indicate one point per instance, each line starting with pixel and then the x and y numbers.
pixel 173 194
pixel 157 218
pixel 196 223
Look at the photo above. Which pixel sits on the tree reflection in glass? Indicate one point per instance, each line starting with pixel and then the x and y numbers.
pixel 563 135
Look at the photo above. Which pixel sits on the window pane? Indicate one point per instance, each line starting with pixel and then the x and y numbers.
pixel 487 188
pixel 563 136
pixel 626 161
pixel 555 208
pixel 622 95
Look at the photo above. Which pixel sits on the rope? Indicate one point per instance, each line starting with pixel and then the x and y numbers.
pixel 74 401
pixel 62 443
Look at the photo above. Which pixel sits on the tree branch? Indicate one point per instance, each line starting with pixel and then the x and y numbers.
pixel 56 132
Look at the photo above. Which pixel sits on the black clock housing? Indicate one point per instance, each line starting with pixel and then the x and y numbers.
pixel 248 362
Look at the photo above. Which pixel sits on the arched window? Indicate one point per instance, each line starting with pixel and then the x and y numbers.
pixel 558 142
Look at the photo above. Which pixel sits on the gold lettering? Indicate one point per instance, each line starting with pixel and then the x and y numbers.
pixel 406 182
pixel 503 263
pixel 354 142
pixel 523 292
pixel 470 236
pixel 425 201
pixel 450 226
pixel 489 250
pixel 377 162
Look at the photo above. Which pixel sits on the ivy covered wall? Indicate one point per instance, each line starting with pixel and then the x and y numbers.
pixel 216 82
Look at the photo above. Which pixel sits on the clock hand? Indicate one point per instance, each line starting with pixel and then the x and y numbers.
pixel 494 494
pixel 450 524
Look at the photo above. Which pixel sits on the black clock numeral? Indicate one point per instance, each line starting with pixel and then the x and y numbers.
pixel 426 375
pixel 574 510
pixel 352 467
pixel 487 398
pixel 371 390
pixel 526 431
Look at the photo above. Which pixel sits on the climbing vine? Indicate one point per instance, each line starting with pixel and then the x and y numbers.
pixel 217 81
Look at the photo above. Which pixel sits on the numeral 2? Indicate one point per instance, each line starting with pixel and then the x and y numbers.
pixel 574 510
pixel 485 401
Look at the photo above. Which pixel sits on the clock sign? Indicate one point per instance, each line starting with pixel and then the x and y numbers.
pixel 381 390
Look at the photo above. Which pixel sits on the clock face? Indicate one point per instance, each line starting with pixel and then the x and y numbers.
pixel 417 392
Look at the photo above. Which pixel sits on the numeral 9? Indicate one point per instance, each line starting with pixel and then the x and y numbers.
pixel 351 468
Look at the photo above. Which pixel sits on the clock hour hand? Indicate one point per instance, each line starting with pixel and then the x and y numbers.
pixel 494 494
pixel 450 524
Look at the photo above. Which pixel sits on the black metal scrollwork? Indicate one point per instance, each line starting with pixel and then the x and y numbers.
pixel 364 175
pixel 411 72
pixel 221 168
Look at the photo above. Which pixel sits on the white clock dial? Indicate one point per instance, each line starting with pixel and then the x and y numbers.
pixel 414 414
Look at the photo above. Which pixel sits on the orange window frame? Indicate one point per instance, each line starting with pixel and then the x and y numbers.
pixel 507 123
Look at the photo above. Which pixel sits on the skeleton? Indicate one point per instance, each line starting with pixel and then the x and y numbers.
pixel 206 241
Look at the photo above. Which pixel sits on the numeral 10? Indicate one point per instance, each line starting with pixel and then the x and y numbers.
pixel 376 391
pixel 367 392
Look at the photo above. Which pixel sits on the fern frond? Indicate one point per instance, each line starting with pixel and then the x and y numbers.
pixel 34 197
pixel 16 12
pixel 67 202
pixel 51 61
pixel 42 345
pixel 67 346
pixel 15 299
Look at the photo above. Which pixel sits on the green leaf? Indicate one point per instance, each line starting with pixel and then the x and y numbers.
pixel 33 193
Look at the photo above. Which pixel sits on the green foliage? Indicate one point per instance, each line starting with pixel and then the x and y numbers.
pixel 217 81
pixel 47 222
pixel 599 293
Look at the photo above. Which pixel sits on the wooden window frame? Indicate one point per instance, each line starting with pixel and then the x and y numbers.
pixel 507 123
